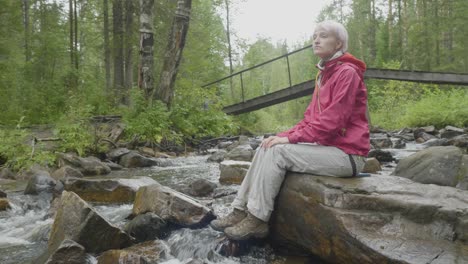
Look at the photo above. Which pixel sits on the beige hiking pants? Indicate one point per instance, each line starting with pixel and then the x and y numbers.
pixel 264 178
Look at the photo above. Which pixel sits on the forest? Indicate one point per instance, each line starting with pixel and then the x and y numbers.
pixel 65 61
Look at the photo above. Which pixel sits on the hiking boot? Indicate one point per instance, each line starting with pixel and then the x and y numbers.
pixel 250 227
pixel 231 219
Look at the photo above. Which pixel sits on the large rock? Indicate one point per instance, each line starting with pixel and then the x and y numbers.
pixel 241 153
pixel 107 190
pixel 69 252
pixel 87 166
pixel 172 206
pixel 135 160
pixel 218 156
pixel 437 165
pixel 378 219
pixel 66 172
pixel 381 155
pixel 463 174
pixel 40 182
pixel 147 226
pixel 233 172
pixel 372 166
pixel 77 221
pixel 115 154
pixel 150 252
pixel 201 187
pixel 459 141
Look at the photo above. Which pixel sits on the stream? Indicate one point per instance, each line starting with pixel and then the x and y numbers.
pixel 24 229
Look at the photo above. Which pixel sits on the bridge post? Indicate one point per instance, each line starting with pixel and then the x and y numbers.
pixel 289 71
pixel 242 87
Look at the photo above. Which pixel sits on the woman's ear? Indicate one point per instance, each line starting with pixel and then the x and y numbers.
pixel 339 45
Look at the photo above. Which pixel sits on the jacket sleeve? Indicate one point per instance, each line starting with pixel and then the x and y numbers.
pixel 334 117
pixel 299 125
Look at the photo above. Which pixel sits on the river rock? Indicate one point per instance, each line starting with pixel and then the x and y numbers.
pixel 78 221
pixel 380 140
pixel 150 252
pixel 115 154
pixel 372 166
pixel 107 190
pixel 3 194
pixel 4 204
pixel 381 155
pixel 241 153
pixel 459 141
pixel 444 133
pixel 66 172
pixel 172 206
pixel 40 182
pixel 6 173
pixel 435 142
pixel 233 172
pixel 398 143
pixel 378 219
pixel 436 165
pixel 135 160
pixel 147 226
pixel 463 174
pixel 87 166
pixel 218 156
pixel 201 187
pixel 68 252
pixel 113 166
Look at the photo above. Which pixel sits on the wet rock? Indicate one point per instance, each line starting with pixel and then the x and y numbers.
pixel 201 187
pixel 135 160
pixel 3 194
pixel 113 166
pixel 372 166
pixel 233 172
pixel 40 182
pixel 4 204
pixel 151 252
pixel 222 192
pixel 378 219
pixel 255 143
pixel 380 141
pixel 87 166
pixel 423 134
pixel 68 252
pixel 77 221
pixel 172 206
pixel 381 155
pixel 66 172
pixel 450 133
pixel 6 173
pixel 224 144
pixel 436 165
pixel 434 142
pixel 218 156
pixel 398 143
pixel 115 154
pixel 459 141
pixel 463 174
pixel 107 190
pixel 147 226
pixel 241 153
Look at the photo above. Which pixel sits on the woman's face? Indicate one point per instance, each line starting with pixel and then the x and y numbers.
pixel 325 43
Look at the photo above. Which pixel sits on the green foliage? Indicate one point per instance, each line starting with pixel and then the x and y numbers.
pixel 17 149
pixel 75 130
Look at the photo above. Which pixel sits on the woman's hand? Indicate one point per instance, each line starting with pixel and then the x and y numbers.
pixel 271 141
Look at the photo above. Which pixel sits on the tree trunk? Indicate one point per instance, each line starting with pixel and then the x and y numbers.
pixel 107 47
pixel 228 33
pixel 118 49
pixel 70 18
pixel 174 50
pixel 145 69
pixel 75 20
pixel 129 10
pixel 27 51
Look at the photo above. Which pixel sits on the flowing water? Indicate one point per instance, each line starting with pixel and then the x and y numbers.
pixel 24 229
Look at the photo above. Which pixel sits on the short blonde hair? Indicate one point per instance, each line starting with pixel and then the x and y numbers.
pixel 336 28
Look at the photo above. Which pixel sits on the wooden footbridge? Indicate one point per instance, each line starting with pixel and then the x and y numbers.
pixel 306 88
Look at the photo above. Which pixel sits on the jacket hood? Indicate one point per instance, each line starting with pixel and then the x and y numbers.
pixel 359 65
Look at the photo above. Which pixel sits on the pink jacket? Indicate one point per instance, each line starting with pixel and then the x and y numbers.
pixel 341 120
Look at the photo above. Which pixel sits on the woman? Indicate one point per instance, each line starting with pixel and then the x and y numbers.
pixel 335 122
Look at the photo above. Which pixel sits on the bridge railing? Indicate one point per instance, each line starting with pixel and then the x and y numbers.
pixel 296 90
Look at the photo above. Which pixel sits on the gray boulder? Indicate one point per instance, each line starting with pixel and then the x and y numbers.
pixel 150 252
pixel 77 221
pixel 40 182
pixel 241 153
pixel 147 226
pixel 233 172
pixel 135 160
pixel 218 156
pixel 68 252
pixel 378 219
pixel 372 166
pixel 201 187
pixel 87 166
pixel 171 206
pixel 107 190
pixel 436 165
pixel 66 172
